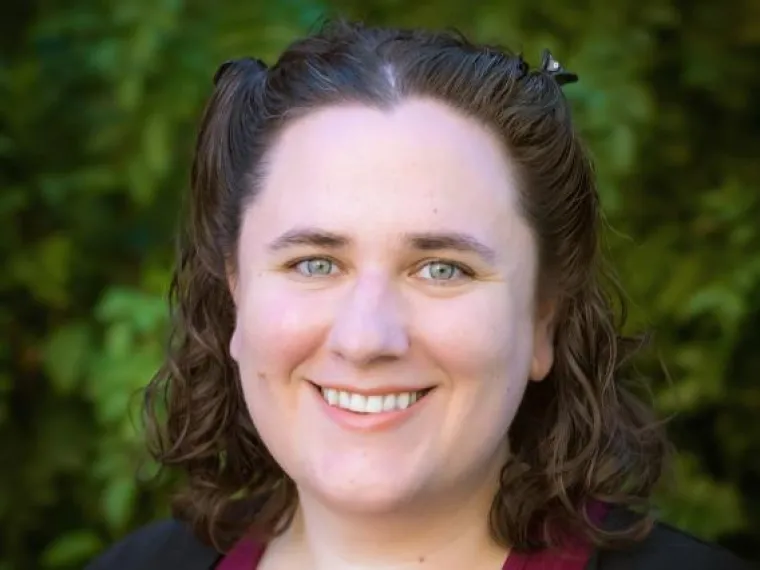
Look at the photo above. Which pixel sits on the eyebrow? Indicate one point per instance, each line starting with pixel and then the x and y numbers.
pixel 422 241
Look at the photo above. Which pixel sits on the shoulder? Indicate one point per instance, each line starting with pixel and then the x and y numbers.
pixel 163 544
pixel 666 548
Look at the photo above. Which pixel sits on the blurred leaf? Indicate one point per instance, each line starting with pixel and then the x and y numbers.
pixel 118 502
pixel 71 548
pixel 66 356
pixel 143 312
pixel 689 502
pixel 44 269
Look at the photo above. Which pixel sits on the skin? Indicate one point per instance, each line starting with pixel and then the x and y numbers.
pixel 378 311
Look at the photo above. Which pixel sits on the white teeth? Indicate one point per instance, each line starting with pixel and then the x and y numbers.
pixel 358 403
pixel 331 396
pixel 374 404
pixel 369 404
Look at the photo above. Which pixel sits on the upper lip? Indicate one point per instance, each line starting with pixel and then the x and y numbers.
pixel 372 391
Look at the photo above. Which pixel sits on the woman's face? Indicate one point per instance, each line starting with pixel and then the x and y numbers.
pixel 385 268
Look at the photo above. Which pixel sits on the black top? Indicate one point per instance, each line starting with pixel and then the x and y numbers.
pixel 170 544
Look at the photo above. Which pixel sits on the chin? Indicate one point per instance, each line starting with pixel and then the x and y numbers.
pixel 368 501
pixel 371 494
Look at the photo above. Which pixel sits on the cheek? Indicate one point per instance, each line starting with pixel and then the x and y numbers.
pixel 275 333
pixel 484 338
pixel 484 347
pixel 275 330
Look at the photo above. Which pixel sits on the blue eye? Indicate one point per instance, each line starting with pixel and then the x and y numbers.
pixel 438 271
pixel 443 271
pixel 315 267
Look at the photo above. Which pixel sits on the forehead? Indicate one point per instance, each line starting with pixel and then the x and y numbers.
pixel 419 166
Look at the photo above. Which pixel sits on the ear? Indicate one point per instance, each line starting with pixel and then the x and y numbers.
pixel 232 281
pixel 543 341
pixel 232 285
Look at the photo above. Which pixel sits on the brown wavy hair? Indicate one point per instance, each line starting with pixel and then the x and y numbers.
pixel 581 435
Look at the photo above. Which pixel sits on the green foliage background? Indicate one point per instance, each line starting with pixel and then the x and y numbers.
pixel 98 106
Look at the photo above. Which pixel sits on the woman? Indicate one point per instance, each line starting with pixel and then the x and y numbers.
pixel 392 346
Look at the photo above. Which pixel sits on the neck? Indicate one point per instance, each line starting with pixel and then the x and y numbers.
pixel 447 534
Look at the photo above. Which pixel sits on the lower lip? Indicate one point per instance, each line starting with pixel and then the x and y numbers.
pixel 369 422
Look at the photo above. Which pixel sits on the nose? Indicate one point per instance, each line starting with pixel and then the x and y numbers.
pixel 368 325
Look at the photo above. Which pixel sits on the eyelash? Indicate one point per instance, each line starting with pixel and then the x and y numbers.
pixel 463 269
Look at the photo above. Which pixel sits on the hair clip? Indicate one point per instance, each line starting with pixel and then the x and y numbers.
pixel 555 69
pixel 223 68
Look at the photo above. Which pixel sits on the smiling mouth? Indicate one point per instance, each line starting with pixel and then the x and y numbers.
pixel 374 404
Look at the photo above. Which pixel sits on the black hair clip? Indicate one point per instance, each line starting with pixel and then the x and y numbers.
pixel 553 68
pixel 222 70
